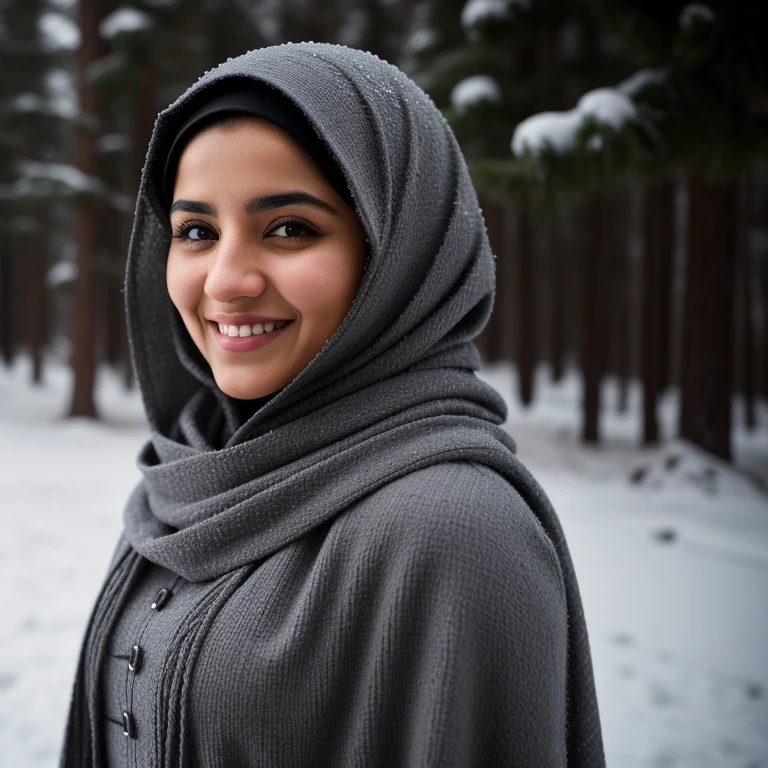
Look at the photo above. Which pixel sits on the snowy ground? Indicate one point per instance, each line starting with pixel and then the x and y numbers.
pixel 673 567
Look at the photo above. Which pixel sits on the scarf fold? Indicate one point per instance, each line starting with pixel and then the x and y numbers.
pixel 392 391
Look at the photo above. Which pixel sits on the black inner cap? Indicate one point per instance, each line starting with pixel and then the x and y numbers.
pixel 247 97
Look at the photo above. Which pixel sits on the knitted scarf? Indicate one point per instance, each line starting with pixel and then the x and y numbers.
pixel 392 391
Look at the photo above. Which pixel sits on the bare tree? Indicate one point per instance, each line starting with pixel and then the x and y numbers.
pixel 707 369
pixel 593 321
pixel 658 217
pixel 86 218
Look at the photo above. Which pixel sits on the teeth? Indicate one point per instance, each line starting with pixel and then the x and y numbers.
pixel 248 330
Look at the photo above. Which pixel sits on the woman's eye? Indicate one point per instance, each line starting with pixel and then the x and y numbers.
pixel 291 230
pixel 200 233
pixel 194 233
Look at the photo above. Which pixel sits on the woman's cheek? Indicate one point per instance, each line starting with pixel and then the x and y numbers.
pixel 325 282
pixel 184 284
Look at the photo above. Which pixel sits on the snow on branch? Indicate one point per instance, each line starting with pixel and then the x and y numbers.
pixel 608 106
pixel 558 130
pixel 58 33
pixel 62 92
pixel 113 142
pixel 124 20
pixel 696 11
pixel 66 177
pixel 59 102
pixel 640 80
pixel 477 11
pixel 474 90
pixel 62 273
pixel 421 38
pixel 29 102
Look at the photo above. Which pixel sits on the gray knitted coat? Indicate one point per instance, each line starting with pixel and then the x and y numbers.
pixel 359 572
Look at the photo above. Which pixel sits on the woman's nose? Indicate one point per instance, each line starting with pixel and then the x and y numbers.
pixel 236 271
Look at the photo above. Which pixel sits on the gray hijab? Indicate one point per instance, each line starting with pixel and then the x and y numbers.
pixel 220 490
pixel 391 392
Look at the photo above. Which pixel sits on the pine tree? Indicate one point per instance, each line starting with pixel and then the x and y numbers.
pixel 695 104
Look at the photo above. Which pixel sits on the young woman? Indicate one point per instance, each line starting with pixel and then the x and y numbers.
pixel 334 557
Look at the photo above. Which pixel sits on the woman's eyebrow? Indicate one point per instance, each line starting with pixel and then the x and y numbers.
pixel 192 206
pixel 257 204
pixel 267 202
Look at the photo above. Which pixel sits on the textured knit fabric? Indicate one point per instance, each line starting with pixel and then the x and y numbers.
pixel 371 575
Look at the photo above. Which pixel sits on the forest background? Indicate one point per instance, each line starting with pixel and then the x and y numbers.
pixel 619 148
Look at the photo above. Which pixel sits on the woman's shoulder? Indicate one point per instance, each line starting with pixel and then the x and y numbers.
pixel 454 515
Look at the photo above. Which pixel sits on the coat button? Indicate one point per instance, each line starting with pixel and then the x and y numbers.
pixel 161 598
pixel 134 660
pixel 128 727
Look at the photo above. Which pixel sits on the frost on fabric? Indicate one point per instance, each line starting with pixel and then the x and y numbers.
pixel 474 90
pixel 58 33
pixel 124 20
pixel 694 11
pixel 558 130
pixel 640 80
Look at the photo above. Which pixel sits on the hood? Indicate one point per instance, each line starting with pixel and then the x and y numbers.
pixel 394 387
pixel 429 279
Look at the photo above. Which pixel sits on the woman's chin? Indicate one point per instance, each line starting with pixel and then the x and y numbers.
pixel 244 387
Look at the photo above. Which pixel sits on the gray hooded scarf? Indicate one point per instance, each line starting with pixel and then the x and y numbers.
pixel 381 581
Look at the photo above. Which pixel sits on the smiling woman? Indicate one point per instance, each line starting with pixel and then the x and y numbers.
pixel 266 256
pixel 334 557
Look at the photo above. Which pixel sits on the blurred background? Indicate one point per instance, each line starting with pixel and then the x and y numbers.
pixel 620 152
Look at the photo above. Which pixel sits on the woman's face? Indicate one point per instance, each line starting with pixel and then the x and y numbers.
pixel 265 258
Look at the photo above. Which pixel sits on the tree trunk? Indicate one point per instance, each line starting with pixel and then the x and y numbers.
pixel 86 223
pixel 525 314
pixel 656 300
pixel 557 299
pixel 592 327
pixel 666 233
pixel 746 315
pixel 763 344
pixel 617 299
pixel 35 300
pixel 707 367
pixel 6 302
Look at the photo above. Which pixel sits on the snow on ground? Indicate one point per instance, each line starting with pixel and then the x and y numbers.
pixel 670 546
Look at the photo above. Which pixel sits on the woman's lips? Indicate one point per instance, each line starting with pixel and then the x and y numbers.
pixel 245 343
